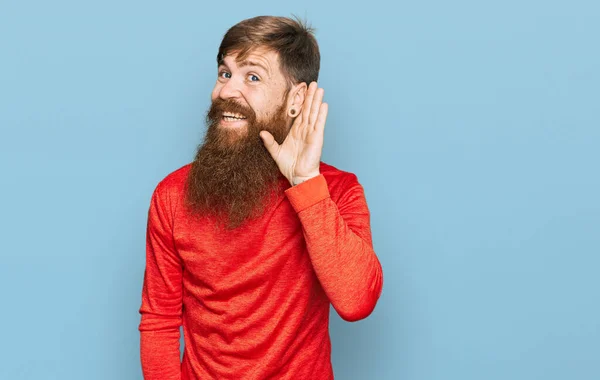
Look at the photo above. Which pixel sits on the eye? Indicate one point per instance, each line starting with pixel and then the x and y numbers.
pixel 253 78
pixel 224 74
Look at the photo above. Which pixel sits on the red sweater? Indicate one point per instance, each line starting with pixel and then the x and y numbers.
pixel 254 301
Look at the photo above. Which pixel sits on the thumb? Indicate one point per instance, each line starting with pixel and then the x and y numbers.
pixel 270 143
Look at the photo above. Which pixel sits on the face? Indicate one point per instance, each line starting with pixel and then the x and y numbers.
pixel 254 88
pixel 233 175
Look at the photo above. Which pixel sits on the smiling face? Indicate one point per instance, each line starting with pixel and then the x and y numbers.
pixel 252 90
pixel 264 66
pixel 233 173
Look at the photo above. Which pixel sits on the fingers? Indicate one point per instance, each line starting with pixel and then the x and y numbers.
pixel 312 104
pixel 312 115
pixel 322 116
pixel 310 94
pixel 314 109
pixel 270 143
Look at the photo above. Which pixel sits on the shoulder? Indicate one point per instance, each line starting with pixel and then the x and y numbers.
pixel 172 187
pixel 333 174
pixel 338 181
pixel 176 178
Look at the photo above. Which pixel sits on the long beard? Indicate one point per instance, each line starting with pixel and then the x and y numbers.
pixel 233 177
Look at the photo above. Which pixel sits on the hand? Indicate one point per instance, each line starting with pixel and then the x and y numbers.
pixel 299 156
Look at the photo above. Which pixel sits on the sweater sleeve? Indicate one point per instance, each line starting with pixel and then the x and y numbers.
pixel 161 308
pixel 338 240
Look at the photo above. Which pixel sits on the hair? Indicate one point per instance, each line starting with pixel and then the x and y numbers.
pixel 291 38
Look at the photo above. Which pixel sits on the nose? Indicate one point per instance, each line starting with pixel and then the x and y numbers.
pixel 230 90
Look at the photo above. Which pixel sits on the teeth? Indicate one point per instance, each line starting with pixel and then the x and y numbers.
pixel 232 115
pixel 227 118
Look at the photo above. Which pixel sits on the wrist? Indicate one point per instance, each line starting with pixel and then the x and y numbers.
pixel 299 179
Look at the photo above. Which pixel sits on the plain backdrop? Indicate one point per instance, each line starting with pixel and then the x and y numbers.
pixel 473 126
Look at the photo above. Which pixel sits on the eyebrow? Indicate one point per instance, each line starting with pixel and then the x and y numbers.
pixel 254 63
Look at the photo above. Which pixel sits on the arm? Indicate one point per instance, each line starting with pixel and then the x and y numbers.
pixel 338 240
pixel 161 307
pixel 337 234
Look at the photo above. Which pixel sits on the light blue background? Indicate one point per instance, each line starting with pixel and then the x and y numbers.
pixel 473 126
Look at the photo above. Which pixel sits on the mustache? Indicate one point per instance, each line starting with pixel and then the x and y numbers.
pixel 219 106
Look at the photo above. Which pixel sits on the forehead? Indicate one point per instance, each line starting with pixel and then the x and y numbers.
pixel 260 56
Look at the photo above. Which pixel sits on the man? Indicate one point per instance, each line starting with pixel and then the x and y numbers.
pixel 249 244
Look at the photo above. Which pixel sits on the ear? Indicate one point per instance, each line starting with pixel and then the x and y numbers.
pixel 296 99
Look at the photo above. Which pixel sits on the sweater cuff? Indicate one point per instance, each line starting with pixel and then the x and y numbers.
pixel 308 193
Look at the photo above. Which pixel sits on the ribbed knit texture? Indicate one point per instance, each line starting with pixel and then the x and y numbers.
pixel 254 301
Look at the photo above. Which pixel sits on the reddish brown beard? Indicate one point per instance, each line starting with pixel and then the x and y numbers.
pixel 233 176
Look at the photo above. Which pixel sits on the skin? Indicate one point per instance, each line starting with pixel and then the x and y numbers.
pixel 259 83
